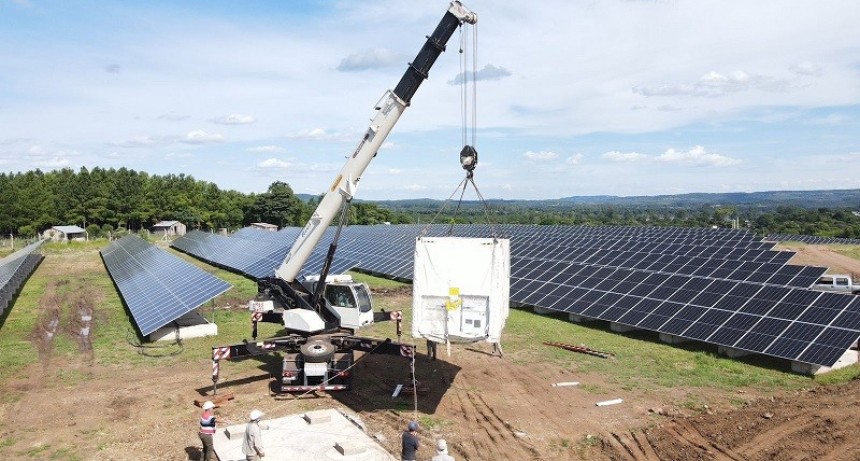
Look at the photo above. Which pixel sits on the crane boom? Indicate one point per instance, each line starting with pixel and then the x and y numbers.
pixel 389 109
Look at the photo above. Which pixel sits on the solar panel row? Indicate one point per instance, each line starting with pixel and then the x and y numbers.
pixel 813 239
pixel 14 270
pixel 719 286
pixel 157 286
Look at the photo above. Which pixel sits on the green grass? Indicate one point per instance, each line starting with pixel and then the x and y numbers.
pixel 641 362
pixel 852 251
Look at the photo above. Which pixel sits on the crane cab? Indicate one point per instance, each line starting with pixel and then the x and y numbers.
pixel 349 300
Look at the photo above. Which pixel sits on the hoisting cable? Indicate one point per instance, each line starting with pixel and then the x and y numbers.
pixel 468 110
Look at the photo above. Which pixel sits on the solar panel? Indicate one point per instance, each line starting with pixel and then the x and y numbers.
pixel 15 269
pixel 813 239
pixel 157 286
pixel 722 286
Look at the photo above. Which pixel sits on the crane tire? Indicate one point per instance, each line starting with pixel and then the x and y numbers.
pixel 317 350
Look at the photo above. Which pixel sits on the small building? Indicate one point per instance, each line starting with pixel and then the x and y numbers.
pixel 264 226
pixel 65 233
pixel 169 229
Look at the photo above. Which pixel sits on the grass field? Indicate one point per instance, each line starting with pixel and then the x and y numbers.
pixel 641 361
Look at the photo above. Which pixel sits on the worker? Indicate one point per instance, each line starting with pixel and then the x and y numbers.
pixel 252 445
pixel 410 442
pixel 442 451
pixel 207 430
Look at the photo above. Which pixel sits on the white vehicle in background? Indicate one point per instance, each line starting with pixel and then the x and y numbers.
pixel 837 283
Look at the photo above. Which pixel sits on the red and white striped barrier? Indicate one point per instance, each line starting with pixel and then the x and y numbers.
pixel 407 351
pixel 220 353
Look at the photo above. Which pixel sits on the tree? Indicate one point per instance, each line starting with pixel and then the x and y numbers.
pixel 278 205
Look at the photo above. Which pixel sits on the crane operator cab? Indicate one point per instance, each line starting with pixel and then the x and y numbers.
pixel 349 300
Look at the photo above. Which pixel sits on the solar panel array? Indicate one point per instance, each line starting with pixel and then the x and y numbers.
pixel 14 270
pixel 813 239
pixel 157 286
pixel 720 286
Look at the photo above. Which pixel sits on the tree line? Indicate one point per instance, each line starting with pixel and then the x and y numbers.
pixel 103 200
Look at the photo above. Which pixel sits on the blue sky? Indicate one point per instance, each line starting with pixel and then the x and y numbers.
pixel 573 97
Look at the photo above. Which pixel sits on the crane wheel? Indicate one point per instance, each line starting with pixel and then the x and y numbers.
pixel 317 350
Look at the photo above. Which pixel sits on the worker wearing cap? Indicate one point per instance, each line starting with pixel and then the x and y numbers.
pixel 252 446
pixel 207 430
pixel 442 451
pixel 410 442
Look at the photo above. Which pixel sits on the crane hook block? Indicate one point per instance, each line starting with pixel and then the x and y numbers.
pixel 468 158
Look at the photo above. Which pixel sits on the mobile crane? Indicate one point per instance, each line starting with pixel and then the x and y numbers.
pixel 322 313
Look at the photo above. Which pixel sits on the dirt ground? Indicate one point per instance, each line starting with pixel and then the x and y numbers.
pixel 488 408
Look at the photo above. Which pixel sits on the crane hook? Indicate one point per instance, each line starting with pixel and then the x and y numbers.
pixel 469 159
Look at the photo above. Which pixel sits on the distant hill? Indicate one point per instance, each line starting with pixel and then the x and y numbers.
pixel 849 198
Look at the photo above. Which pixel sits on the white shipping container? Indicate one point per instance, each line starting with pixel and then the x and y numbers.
pixel 461 289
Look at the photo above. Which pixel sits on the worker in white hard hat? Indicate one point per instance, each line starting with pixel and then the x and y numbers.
pixel 252 446
pixel 442 451
pixel 207 430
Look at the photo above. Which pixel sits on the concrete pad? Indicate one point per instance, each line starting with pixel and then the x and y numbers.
pixel 543 310
pixel 190 325
pixel 295 438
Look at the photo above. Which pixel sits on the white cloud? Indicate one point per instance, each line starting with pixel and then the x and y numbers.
pixel 616 156
pixel 314 133
pixel 270 149
pixel 370 59
pixel 415 187
pixel 387 145
pixel 234 119
pixel 540 156
pixel 573 159
pixel 714 84
pixel 697 156
pixel 9 141
pixel 137 141
pixel 54 162
pixel 806 68
pixel 488 73
pixel 202 137
pixel 394 171
pixel 274 163
pixel 173 117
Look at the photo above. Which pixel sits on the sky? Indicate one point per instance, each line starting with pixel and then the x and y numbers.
pixel 563 98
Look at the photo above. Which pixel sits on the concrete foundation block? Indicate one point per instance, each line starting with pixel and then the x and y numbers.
pixel 672 339
pixel 543 310
pixel 576 318
pixel 235 432
pixel 346 448
pixel 317 417
pixel 731 352
pixel 190 325
pixel 620 328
